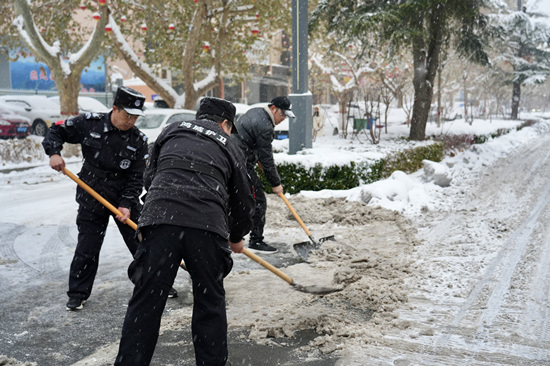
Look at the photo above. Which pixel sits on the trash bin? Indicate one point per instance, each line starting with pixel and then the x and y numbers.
pixel 362 123
pixel 359 124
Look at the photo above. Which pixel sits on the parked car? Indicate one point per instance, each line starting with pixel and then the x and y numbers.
pixel 39 109
pixel 154 120
pixel 87 104
pixel 241 109
pixel 13 125
pixel 158 102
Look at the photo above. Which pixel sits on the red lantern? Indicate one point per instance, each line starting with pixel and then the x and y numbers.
pixel 144 27
pixel 255 31
pixel 123 18
pixel 171 27
pixel 96 16
pixel 257 16
pixel 195 1
pixel 83 7
pixel 206 47
pixel 43 30
pixel 108 28
pixel 102 2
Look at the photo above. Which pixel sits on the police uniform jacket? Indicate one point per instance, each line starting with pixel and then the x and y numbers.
pixel 255 135
pixel 197 178
pixel 114 160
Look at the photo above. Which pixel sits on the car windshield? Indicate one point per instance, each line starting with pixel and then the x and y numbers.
pixel 150 121
pixel 181 117
pixel 92 105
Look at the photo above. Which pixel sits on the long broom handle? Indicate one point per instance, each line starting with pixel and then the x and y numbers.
pixel 294 213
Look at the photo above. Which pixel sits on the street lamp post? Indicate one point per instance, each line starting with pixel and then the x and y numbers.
pixel 300 128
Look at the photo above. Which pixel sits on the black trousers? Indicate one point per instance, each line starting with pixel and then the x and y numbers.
pixel 208 260
pixel 92 221
pixel 260 207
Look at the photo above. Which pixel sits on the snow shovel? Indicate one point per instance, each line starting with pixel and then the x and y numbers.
pixel 313 289
pixel 103 201
pixel 304 248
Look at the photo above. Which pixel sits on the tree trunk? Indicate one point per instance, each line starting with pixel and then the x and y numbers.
pixel 342 101
pixel 516 97
pixel 423 92
pixel 439 108
pixel 67 89
pixel 426 64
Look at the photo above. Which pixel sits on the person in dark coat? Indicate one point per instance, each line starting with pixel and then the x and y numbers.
pixel 115 154
pixel 255 135
pixel 198 208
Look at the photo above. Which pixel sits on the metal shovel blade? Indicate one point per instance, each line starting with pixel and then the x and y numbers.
pixel 303 249
pixel 316 290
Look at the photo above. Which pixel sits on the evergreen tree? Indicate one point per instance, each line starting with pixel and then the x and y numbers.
pixel 522 54
pixel 423 26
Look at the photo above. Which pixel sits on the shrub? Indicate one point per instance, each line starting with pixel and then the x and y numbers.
pixel 410 160
pixel 30 150
pixel 296 177
pixel 20 150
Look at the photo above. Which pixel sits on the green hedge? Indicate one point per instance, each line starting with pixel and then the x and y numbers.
pixel 296 177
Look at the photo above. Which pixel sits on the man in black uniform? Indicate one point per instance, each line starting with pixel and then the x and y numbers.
pixel 255 135
pixel 198 206
pixel 115 154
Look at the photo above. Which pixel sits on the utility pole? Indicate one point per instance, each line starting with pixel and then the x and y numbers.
pixel 300 128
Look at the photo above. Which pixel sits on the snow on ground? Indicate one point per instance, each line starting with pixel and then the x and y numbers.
pixel 393 253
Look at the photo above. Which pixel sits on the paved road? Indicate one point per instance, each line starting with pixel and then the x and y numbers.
pixel 37 240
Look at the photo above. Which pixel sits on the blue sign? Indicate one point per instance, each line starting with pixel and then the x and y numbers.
pixel 28 73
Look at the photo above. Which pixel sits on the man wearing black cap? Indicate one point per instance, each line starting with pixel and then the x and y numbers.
pixel 115 155
pixel 255 135
pixel 198 208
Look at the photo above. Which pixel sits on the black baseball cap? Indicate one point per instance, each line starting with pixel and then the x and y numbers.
pixel 130 100
pixel 217 107
pixel 284 104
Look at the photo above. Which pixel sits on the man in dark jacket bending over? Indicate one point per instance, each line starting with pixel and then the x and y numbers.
pixel 198 207
pixel 255 135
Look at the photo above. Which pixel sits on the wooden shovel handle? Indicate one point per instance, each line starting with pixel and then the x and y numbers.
pixel 106 203
pixel 268 265
pixel 98 197
pixel 295 214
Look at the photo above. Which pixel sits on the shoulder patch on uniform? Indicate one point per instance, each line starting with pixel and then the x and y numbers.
pixel 94 115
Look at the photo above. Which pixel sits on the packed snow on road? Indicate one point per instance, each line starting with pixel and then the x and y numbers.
pixel 429 273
